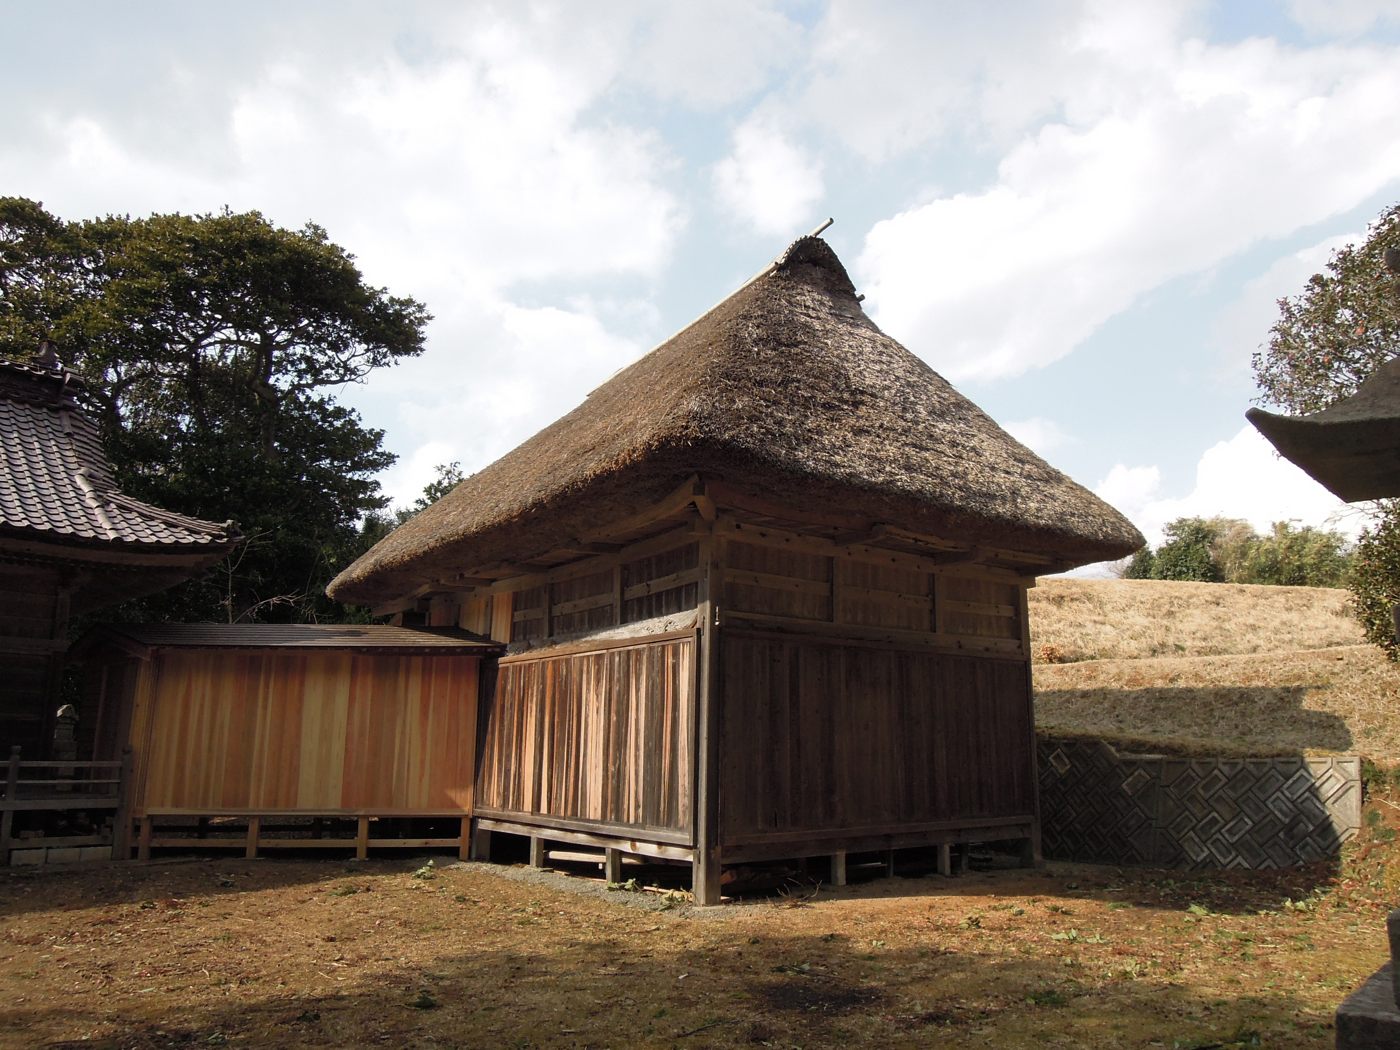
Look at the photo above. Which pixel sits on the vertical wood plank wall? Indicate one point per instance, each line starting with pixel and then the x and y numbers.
pixel 602 738
pixel 320 731
pixel 831 738
pixel 864 692
pixel 31 621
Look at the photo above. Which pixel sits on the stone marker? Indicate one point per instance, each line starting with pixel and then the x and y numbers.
pixel 1369 1018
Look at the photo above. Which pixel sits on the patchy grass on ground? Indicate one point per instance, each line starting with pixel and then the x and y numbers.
pixel 386 953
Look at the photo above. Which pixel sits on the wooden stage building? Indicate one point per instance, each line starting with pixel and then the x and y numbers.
pixel 319 728
pixel 763 595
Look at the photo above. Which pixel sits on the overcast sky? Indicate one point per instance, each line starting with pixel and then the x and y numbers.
pixel 1080 213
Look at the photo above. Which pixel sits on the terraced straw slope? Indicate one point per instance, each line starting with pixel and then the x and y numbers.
pixel 1217 667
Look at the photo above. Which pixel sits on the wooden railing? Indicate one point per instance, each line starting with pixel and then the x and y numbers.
pixel 65 785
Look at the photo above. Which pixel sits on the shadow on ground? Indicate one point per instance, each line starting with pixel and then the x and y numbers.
pixel 1272 716
pixel 813 991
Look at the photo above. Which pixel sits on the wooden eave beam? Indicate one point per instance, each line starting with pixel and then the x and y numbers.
pixel 175 558
pixel 863 537
pixel 593 547
pixel 969 556
pixel 528 568
pixel 391 608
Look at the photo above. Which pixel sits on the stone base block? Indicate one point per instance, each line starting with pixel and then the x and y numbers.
pixel 87 853
pixel 1369 1018
pixel 22 857
pixel 64 855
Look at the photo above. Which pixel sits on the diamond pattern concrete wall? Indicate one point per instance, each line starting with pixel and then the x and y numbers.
pixel 1099 804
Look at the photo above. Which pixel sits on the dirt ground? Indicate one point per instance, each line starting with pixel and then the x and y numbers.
pixel 399 953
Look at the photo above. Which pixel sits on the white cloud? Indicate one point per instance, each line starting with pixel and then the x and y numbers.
pixel 1130 489
pixel 712 54
pixel 1042 436
pixel 497 372
pixel 768 182
pixel 1343 18
pixel 463 168
pixel 1176 154
pixel 1239 478
pixel 887 77
pixel 479 159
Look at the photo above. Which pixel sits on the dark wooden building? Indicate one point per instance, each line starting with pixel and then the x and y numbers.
pixel 764 593
pixel 70 540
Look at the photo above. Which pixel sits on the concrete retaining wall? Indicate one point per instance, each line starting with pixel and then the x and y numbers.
pixel 1102 805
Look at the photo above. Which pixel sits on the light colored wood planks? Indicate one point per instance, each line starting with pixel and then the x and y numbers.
pixel 599 737
pixel 312 732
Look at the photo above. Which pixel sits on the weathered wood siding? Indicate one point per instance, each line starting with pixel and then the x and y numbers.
pixel 313 731
pixel 660 578
pixel 32 621
pixel 829 738
pixel 774 576
pixel 601 738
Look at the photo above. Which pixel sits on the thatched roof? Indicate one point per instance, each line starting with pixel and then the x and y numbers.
pixel 785 389
pixel 1351 447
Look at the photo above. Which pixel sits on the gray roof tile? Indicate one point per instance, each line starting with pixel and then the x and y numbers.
pixel 55 479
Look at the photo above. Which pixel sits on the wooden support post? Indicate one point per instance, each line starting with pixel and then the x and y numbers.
pixel 707 869
pixel 143 838
pixel 7 818
pixel 889 863
pixel 1032 857
pixel 464 843
pixel 838 868
pixel 619 598
pixel 945 859
pixel 1030 852
pixel 254 827
pixel 612 866
pixel 960 856
pixel 121 816
pixel 536 852
pixel 362 839
pixel 481 844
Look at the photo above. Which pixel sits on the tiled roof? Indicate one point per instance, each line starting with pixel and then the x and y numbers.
pixel 300 636
pixel 56 484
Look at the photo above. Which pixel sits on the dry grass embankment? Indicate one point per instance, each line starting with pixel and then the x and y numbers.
pixel 1215 667
pixel 1073 620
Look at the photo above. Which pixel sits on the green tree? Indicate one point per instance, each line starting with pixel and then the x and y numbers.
pixel 1345 323
pixel 212 346
pixel 1374 581
pixel 1234 544
pixel 1188 551
pixel 1228 550
pixel 1326 341
pixel 1294 556
pixel 1141 565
